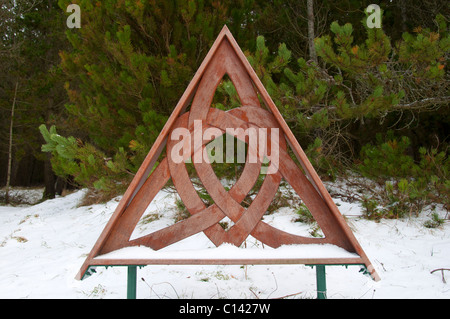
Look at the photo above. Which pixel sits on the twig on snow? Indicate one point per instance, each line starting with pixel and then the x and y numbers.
pixel 442 272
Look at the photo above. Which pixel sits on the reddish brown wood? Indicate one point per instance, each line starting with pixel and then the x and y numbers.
pixel 225 57
pixel 229 261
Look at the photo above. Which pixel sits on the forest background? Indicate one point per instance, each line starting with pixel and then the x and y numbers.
pixel 81 107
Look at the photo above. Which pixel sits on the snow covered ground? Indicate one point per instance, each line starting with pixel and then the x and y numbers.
pixel 43 246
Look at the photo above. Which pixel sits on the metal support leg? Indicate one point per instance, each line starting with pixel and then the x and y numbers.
pixel 321 282
pixel 132 281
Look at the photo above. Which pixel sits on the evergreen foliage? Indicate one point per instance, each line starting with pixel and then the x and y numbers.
pixel 87 165
pixel 409 185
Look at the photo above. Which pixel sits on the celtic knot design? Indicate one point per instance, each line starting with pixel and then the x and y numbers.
pixel 247 221
pixel 224 58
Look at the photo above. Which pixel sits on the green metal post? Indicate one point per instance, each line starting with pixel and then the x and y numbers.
pixel 132 281
pixel 321 282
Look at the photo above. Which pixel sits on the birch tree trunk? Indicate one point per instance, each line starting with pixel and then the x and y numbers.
pixel 8 174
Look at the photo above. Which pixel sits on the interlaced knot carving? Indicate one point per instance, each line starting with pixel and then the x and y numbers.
pixel 224 58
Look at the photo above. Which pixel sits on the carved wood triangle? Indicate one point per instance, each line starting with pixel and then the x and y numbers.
pixel 225 58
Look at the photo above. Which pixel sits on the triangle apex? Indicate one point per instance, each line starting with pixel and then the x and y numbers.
pixel 225 32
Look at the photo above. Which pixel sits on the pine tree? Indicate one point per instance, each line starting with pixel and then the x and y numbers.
pixel 366 83
pixel 130 63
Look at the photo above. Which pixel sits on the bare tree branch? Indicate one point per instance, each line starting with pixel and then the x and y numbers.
pixel 422 105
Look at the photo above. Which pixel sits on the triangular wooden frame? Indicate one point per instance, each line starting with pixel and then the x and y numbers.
pixel 225 57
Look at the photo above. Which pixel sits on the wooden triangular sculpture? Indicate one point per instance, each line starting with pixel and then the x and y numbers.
pixel 225 57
